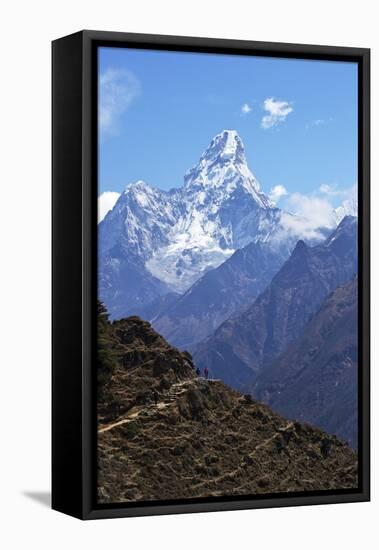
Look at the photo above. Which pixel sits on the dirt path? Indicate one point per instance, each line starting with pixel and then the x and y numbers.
pixel 269 440
pixel 129 418
pixel 233 473
pixel 167 400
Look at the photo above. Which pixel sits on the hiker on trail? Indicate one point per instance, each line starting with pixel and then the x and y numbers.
pixel 198 371
pixel 326 447
pixel 155 396
pixel 206 373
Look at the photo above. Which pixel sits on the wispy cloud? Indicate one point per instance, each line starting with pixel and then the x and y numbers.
pixel 277 112
pixel 117 90
pixel 315 211
pixel 106 202
pixel 312 215
pixel 329 190
pixel 319 122
pixel 336 191
pixel 246 109
pixel 277 192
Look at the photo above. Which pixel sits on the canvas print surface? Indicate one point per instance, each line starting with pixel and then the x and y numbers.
pixel 227 276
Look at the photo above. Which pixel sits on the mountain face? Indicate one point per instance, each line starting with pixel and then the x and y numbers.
pixel 125 283
pixel 164 433
pixel 153 242
pixel 315 379
pixel 349 207
pixel 158 306
pixel 244 345
pixel 218 295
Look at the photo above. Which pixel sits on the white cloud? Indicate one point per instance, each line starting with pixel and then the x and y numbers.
pixel 245 109
pixel 307 216
pixel 319 122
pixel 106 202
pixel 117 89
pixel 329 190
pixel 336 191
pixel 318 210
pixel 277 192
pixel 277 112
pixel 313 214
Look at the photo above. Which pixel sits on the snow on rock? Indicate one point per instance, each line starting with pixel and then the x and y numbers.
pixel 180 234
pixel 223 166
pixel 349 207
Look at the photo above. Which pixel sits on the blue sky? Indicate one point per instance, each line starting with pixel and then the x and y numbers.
pixel 159 111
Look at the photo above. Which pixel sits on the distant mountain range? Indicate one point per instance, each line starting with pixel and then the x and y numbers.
pixel 247 343
pixel 315 379
pixel 218 295
pixel 155 242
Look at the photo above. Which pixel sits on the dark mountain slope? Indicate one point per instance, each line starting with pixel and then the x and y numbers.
pixel 164 433
pixel 126 286
pixel 243 345
pixel 218 295
pixel 157 307
pixel 315 379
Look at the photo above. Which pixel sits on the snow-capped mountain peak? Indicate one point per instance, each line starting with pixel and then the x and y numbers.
pixel 223 167
pixel 178 235
pixel 226 147
pixel 139 184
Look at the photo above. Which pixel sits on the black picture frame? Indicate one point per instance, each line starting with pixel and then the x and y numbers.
pixel 74 205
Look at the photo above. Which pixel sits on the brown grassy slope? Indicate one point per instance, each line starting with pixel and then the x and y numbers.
pixel 201 439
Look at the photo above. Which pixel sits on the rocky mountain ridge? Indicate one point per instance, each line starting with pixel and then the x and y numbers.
pixel 315 379
pixel 218 295
pixel 247 343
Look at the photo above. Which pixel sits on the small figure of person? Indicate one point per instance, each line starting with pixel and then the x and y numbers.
pixel 206 373
pixel 155 396
pixel 326 447
pixel 198 371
